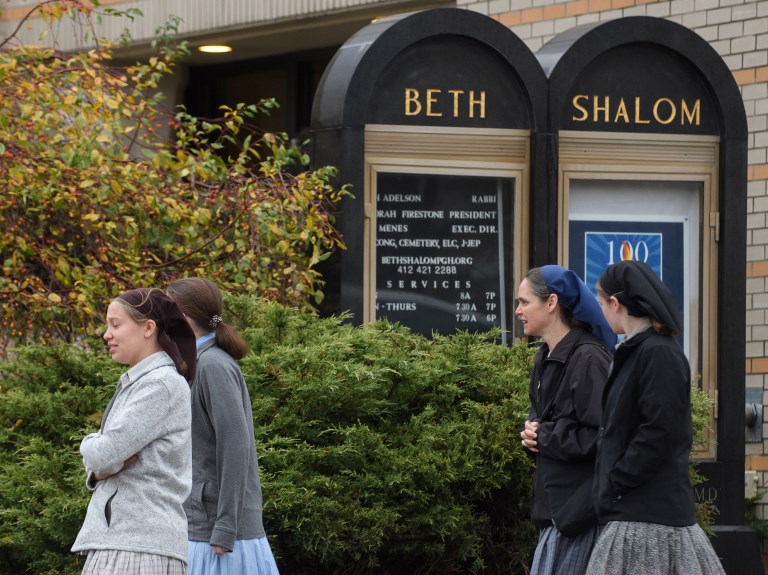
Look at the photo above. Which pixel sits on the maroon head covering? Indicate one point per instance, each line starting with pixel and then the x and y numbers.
pixel 174 334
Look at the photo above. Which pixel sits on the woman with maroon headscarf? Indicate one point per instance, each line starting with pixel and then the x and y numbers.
pixel 139 463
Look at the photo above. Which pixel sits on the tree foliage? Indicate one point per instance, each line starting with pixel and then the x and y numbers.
pixel 95 199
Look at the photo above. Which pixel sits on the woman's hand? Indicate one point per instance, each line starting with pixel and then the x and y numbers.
pixel 219 551
pixel 530 435
pixel 127 463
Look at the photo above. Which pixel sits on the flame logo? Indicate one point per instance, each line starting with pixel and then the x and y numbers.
pixel 626 251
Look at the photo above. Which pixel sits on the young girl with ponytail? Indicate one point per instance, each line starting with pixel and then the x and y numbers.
pixel 224 511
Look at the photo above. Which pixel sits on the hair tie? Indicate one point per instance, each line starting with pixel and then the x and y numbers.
pixel 215 321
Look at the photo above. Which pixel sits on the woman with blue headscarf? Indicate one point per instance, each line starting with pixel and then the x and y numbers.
pixel 561 431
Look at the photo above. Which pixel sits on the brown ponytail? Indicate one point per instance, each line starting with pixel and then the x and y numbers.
pixel 200 300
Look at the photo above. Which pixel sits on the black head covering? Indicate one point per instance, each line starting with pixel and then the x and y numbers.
pixel 640 290
pixel 174 333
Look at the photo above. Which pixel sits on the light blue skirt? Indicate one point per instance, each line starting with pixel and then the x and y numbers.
pixel 249 557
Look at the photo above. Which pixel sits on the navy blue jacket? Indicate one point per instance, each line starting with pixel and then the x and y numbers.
pixel 569 432
pixel 642 466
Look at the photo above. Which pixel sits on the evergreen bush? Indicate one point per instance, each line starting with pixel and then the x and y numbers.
pixel 50 397
pixel 381 452
pixel 386 452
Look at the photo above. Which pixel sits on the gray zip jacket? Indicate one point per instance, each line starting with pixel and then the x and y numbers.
pixel 140 508
pixel 225 504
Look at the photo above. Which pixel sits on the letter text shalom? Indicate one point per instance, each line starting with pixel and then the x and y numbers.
pixel 460 102
pixel 639 111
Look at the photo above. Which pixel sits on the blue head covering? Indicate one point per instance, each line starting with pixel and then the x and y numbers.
pixel 573 294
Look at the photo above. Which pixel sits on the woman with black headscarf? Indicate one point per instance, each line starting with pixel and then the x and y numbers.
pixel 642 488
pixel 139 463
pixel 567 379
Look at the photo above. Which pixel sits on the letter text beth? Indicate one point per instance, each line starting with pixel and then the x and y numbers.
pixel 431 101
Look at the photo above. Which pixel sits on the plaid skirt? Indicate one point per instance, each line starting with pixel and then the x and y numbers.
pixel 630 547
pixel 559 555
pixel 113 562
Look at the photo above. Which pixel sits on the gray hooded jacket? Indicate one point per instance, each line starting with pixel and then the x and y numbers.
pixel 140 508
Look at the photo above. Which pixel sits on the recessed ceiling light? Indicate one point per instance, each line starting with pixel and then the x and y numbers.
pixel 215 49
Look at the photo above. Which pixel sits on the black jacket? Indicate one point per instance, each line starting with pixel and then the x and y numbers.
pixel 568 432
pixel 645 441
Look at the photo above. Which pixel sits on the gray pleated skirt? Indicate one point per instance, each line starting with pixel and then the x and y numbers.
pixel 629 547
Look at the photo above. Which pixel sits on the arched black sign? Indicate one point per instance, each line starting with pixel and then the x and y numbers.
pixel 643 75
pixel 443 68
pixel 451 68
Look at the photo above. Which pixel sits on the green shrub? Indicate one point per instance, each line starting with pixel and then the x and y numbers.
pixel 381 452
pixel 49 398
pixel 701 410
pixel 385 452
